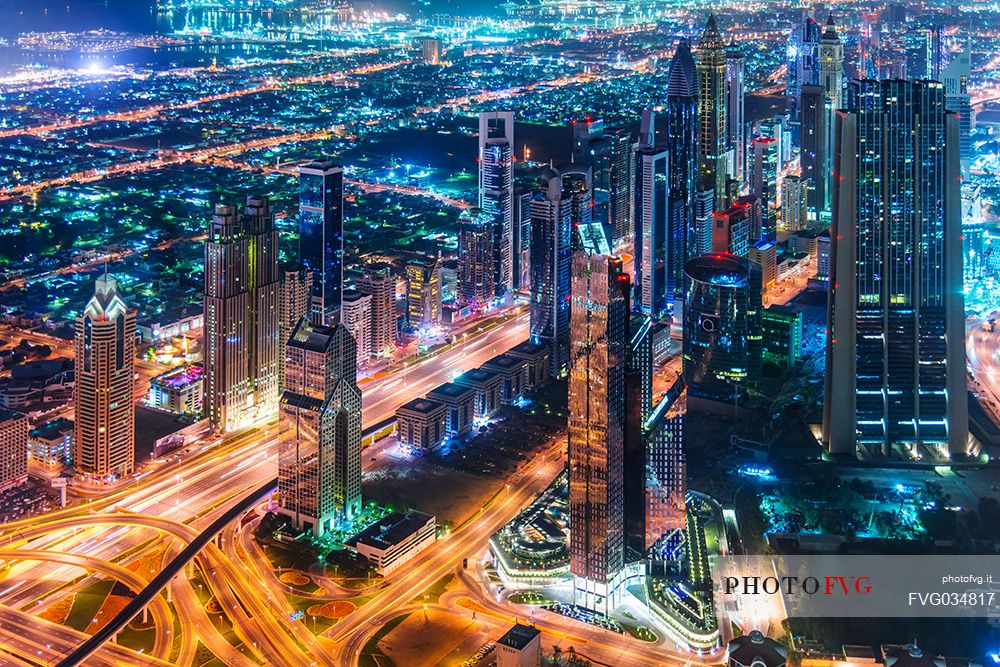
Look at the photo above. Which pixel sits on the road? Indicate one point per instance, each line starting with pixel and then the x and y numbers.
pixel 983 351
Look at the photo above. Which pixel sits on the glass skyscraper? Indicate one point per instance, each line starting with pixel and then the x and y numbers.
pixel 321 236
pixel 682 166
pixel 895 382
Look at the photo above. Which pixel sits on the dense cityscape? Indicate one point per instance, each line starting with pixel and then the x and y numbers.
pixel 415 333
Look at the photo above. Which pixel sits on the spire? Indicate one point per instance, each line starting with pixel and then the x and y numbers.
pixel 681 79
pixel 711 39
pixel 831 29
pixel 106 304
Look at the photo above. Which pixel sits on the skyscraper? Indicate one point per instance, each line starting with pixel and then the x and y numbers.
pixel 895 380
pixel 319 464
pixel 712 114
pixel 794 202
pixel 377 281
pixel 735 130
pixel 802 56
pixel 831 65
pixel 599 330
pixel 814 152
pixel 731 231
pixel 955 78
pixel 103 403
pixel 241 316
pixel 496 188
pixel 607 153
pixel 682 166
pixel 551 256
pixel 423 292
pixel 321 235
pixel 356 316
pixel 722 330
pixel 475 258
pixel 651 240
pixel 764 186
pixel 294 300
pixel 522 220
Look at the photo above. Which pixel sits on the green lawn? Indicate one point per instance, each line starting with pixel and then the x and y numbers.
pixel 86 604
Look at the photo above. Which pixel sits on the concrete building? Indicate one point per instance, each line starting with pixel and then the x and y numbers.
pixel 823 256
pixel 794 203
pixel 13 449
pixel 420 423
pixel 423 293
pixel 103 403
pixel 803 242
pixel 376 281
pixel 536 358
pixel 514 372
pixel 765 253
pixel 390 543
pixel 295 296
pixel 731 231
pixel 459 401
pixel 521 646
pixel 488 387
pixel 431 48
pixel 50 445
pixel 355 315
pixel 179 390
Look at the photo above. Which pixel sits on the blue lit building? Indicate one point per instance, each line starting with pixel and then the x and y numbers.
pixel 551 258
pixel 321 236
pixel 896 379
pixel 682 166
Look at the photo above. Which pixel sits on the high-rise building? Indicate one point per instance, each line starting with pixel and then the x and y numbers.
pixel 704 223
pixel 13 449
pixel 103 402
pixel 803 54
pixel 823 252
pixel 765 255
pixel 321 235
pixel 621 181
pixel 955 78
pixel 895 379
pixel 735 129
pixel 607 153
pixel 522 220
pixel 496 188
pixel 599 330
pixel 651 241
pixel 814 148
pixel 241 316
pixel 764 186
pixel 794 203
pixel 423 292
pixel 722 330
pixel 431 49
pixel 712 114
pixel 831 65
pixel 319 465
pixel 551 256
pixel 731 231
pixel 475 258
pixel 356 316
pixel 682 166
pixel 377 281
pixel 294 301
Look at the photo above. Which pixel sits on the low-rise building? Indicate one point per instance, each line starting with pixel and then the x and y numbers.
pixel 781 335
pixel 13 449
pixel 459 401
pixel 765 253
pixel 50 445
pixel 185 321
pixel 420 423
pixel 179 390
pixel 521 646
pixel 514 374
pixel 487 386
pixel 537 360
pixel 393 541
pixel 37 382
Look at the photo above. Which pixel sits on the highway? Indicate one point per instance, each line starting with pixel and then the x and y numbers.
pixel 982 348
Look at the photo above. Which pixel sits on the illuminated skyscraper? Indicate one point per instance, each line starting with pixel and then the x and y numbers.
pixel 815 150
pixel 551 256
pixel 712 114
pixel 475 258
pixel 895 379
pixel 241 316
pixel 831 65
pixel 377 281
pixel 735 129
pixel 803 54
pixel 955 78
pixel 764 186
pixel 496 188
pixel 293 299
pixel 722 330
pixel 319 463
pixel 356 316
pixel 682 166
pixel 607 153
pixel 321 235
pixel 423 292
pixel 599 345
pixel 731 230
pixel 794 202
pixel 651 241
pixel 103 402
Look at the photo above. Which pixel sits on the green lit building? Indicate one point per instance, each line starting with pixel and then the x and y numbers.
pixel 781 330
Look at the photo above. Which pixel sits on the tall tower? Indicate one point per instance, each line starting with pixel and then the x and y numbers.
pixel 599 335
pixel 496 188
pixel 319 464
pixel 377 281
pixel 103 403
pixel 294 300
pixel 475 258
pixel 241 316
pixel 682 166
pixel 895 377
pixel 356 316
pixel 651 234
pixel 551 255
pixel 735 130
pixel 712 115
pixel 814 152
pixel 802 53
pixel 321 235
pixel 423 292
pixel 831 65
pixel 764 186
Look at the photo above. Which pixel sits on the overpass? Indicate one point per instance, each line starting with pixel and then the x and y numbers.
pixel 146 595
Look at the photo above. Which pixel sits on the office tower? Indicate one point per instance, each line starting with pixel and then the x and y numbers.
pixel 319 464
pixel 823 252
pixel 955 78
pixel 665 482
pixel 722 330
pixel 522 220
pixel 423 292
pixel 895 379
pixel 599 345
pixel 704 223
pixel 241 316
pixel 781 342
pixel 621 180
pixel 975 251
pixel 765 254
pixel 735 130
pixel 794 203
pixel 377 281
pixel 551 257
pixel 712 114
pixel 431 47
pixel 608 155
pixel 682 166
pixel 869 46
pixel 13 449
pixel 731 231
pixel 356 316
pixel 803 53
pixel 577 187
pixel 321 235
pixel 496 188
pixel 103 403
pixel 475 258
pixel 651 242
pixel 294 300
pixel 831 65
pixel 764 186
pixel 814 152
pixel 638 406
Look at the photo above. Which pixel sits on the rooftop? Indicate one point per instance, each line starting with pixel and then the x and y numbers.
pixel 504 361
pixel 391 530
pixel 421 406
pixel 7 415
pixel 519 636
pixel 51 429
pixel 449 390
pixel 528 349
pixel 476 376
pixel 182 376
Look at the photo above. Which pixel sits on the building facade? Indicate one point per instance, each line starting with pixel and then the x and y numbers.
pixel 377 281
pixel 356 316
pixel 321 236
pixel 496 189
